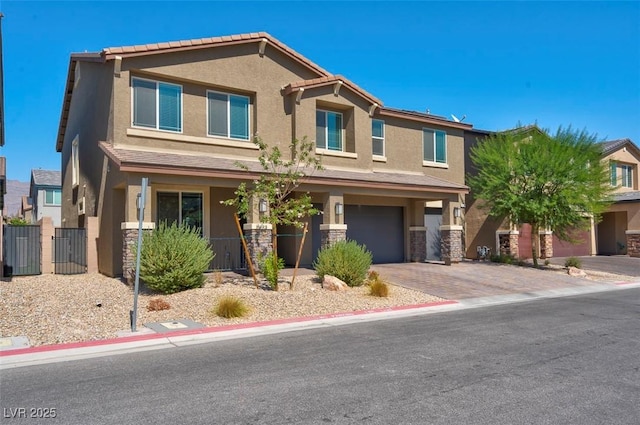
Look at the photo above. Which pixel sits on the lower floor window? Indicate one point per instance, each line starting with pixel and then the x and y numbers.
pixel 180 207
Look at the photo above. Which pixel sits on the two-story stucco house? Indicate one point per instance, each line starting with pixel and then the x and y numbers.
pixel 182 113
pixel 45 192
pixel 617 233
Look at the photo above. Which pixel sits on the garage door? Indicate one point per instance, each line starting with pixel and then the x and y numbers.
pixel 379 228
pixel 567 249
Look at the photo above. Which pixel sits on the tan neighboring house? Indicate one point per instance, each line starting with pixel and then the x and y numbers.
pixel 619 230
pixel 182 113
pixel 617 233
pixel 26 209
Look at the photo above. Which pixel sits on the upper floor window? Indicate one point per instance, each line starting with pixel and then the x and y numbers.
pixel 157 105
pixel 53 197
pixel 75 163
pixel 377 140
pixel 227 115
pixel 627 176
pixel 328 130
pixel 434 145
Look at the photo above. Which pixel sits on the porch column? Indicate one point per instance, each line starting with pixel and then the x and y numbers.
pixel 130 226
pixel 417 234
pixel 546 244
pixel 451 232
pixel 333 229
pixel 633 242
pixel 257 233
pixel 507 242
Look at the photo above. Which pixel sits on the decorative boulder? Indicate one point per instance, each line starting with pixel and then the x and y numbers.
pixel 573 271
pixel 332 283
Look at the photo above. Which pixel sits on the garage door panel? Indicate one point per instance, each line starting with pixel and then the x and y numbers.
pixel 379 228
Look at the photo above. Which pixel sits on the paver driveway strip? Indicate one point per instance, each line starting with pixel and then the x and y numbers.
pixel 471 279
pixel 620 264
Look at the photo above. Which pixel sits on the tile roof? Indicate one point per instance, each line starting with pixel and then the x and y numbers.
pixel 614 145
pixel 46 177
pixel 328 80
pixel 626 196
pixel 183 164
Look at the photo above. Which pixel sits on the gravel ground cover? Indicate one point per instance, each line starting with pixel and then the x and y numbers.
pixel 53 309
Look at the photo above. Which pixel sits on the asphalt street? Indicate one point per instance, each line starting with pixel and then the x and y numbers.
pixel 570 360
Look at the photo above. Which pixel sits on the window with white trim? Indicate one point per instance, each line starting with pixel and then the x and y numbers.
pixel 180 207
pixel 329 130
pixel 53 197
pixel 157 105
pixel 377 139
pixel 614 173
pixel 75 163
pixel 627 176
pixel 434 146
pixel 227 115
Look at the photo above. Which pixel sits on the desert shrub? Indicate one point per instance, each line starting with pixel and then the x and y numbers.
pixel 270 265
pixel 218 279
pixel 378 288
pixel 17 221
pixel 502 258
pixel 373 275
pixel 345 260
pixel 174 258
pixel 158 304
pixel 573 262
pixel 547 262
pixel 229 307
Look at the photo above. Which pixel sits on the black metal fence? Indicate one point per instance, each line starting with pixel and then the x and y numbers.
pixel 21 250
pixel 229 254
pixel 70 250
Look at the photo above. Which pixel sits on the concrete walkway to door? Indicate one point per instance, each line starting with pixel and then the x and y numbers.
pixel 472 279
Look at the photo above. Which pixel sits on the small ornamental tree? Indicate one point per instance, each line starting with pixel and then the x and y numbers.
pixel 556 182
pixel 279 179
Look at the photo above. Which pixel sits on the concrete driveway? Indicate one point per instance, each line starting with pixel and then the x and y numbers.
pixel 472 279
pixel 620 264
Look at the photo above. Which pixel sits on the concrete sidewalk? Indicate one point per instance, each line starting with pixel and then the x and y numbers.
pixel 156 341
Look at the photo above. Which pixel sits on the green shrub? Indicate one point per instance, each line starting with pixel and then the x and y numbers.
pixel 270 266
pixel 502 258
pixel 547 262
pixel 378 288
pixel 345 260
pixel 229 307
pixel 174 258
pixel 573 262
pixel 17 221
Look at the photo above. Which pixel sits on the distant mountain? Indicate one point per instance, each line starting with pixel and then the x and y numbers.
pixel 12 199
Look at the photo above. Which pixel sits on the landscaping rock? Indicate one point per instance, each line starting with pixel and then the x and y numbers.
pixel 573 271
pixel 332 283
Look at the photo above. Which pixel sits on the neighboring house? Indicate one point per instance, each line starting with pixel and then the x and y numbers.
pixel 46 195
pixel 26 209
pixel 617 233
pixel 619 230
pixel 182 113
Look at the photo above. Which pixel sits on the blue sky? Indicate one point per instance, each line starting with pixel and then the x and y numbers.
pixel 498 63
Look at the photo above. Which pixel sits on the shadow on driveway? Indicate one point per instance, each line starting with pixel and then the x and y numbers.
pixel 620 264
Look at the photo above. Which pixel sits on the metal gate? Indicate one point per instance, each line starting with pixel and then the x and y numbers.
pixel 70 250
pixel 229 254
pixel 21 250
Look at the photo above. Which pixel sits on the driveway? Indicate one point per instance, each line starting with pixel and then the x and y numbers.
pixel 472 279
pixel 620 264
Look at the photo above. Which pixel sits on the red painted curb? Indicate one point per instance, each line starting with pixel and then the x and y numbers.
pixel 214 329
pixel 625 282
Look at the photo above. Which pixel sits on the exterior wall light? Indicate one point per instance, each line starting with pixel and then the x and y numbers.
pixel 262 205
pixel 456 212
pixel 339 208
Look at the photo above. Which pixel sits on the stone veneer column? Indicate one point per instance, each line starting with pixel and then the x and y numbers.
pixel 259 242
pixel 418 244
pixel 633 243
pixel 507 241
pixel 451 244
pixel 129 240
pixel 546 244
pixel 332 233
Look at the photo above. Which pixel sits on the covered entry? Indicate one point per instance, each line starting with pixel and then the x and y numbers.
pixel 380 228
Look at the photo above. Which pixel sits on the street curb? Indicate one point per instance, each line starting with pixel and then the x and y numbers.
pixel 181 336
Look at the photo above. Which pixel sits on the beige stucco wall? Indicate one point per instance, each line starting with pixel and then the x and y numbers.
pixel 627 157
